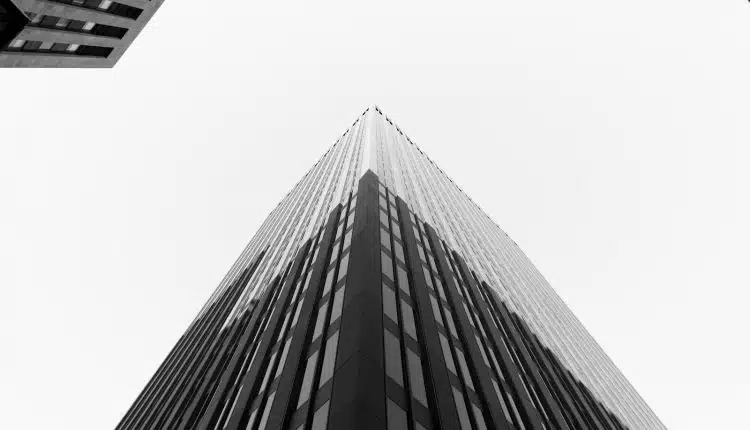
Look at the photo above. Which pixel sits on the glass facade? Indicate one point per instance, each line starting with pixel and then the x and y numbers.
pixel 378 295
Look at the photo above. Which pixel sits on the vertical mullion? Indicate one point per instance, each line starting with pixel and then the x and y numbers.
pixel 251 379
pixel 195 348
pixel 472 290
pixel 334 260
pixel 484 389
pixel 453 342
pixel 442 407
pixel 409 398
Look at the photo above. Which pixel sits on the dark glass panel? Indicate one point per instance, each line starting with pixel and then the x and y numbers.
pixel 393 357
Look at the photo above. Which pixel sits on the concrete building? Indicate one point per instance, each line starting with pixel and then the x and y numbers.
pixel 70 33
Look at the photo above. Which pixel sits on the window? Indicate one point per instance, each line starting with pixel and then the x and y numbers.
pixel 403 281
pixel 436 310
pixel 62 23
pixel 478 417
pixel 427 278
pixel 105 4
pixel 88 26
pixel 384 238
pixel 463 415
pixel 264 384
pixel 320 419
pixel 124 10
pixel 329 282
pixel 447 353
pixel 59 47
pixel 45 46
pixel 49 21
pixel 387 265
pixel 263 420
pixel 393 357
pixel 329 359
pixel 396 417
pixel 339 231
pixel 282 360
pixel 321 320
pixel 449 319
pixel 335 251
pixel 416 378
pixel 389 303
pixel 76 25
pixel 502 401
pixel 31 45
pixel 73 47
pixel 304 392
pixel 464 369
pixel 250 421
pixel 17 44
pixel 343 266
pixel 338 303
pixel 399 251
pixel 109 31
pixel 408 316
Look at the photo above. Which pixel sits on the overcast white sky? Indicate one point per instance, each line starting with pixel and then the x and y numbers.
pixel 609 139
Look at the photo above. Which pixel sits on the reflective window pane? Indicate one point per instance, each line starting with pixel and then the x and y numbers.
pixel 408 316
pixel 416 378
pixel 396 417
pixel 264 420
pixel 338 303
pixel 320 420
pixel 304 394
pixel 447 353
pixel 329 359
pixel 389 303
pixel 393 357
pixel 436 310
pixel 385 240
pixel 463 415
pixel 387 265
pixel 403 280
pixel 399 252
pixel 321 320
pixel 464 369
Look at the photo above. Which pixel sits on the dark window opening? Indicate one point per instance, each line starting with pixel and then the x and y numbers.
pixel 109 31
pixel 62 48
pixel 125 10
pixel 94 51
pixel 106 6
pixel 31 45
pixel 53 22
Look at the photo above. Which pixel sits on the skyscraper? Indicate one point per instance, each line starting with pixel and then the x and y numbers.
pixel 70 33
pixel 377 295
